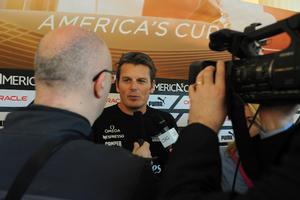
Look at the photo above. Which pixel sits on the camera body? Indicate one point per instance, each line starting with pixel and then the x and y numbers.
pixel 270 78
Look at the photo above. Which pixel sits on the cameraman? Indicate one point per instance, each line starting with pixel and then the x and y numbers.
pixel 194 170
pixel 263 122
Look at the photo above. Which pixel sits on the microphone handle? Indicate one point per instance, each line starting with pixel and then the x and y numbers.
pixel 141 130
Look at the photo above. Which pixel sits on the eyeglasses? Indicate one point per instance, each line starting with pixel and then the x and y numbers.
pixel 108 71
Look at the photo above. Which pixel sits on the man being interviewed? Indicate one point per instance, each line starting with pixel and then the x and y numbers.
pixel 131 123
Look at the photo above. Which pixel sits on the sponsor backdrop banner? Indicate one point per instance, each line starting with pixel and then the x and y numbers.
pixel 174 33
pixel 170 95
pixel 16 88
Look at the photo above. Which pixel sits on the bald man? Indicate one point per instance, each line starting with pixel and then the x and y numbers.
pixel 73 78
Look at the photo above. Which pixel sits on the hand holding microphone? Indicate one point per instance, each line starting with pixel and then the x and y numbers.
pixel 142 151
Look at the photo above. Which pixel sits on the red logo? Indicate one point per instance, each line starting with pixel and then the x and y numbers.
pixel 112 100
pixel 12 98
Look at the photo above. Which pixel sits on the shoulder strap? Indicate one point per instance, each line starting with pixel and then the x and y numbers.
pixel 35 163
pixel 243 141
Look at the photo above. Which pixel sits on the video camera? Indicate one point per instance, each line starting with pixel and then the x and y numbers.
pixel 254 78
pixel 270 78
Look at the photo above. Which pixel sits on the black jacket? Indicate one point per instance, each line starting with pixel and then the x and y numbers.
pixel 116 128
pixel 80 170
pixel 194 169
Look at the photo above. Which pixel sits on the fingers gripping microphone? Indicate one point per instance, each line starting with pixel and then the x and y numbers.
pixel 168 136
pixel 140 127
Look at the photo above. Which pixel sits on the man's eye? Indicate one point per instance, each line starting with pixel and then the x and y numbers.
pixel 126 80
pixel 142 81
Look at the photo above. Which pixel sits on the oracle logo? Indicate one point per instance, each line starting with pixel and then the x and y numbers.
pixel 13 98
pixel 113 100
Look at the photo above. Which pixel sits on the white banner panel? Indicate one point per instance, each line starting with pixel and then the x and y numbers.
pixel 16 98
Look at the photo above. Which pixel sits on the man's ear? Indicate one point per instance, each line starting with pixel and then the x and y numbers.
pixel 99 86
pixel 152 86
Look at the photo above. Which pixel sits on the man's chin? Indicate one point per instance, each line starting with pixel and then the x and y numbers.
pixel 135 106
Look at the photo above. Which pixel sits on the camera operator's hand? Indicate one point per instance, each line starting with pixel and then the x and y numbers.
pixel 143 150
pixel 207 97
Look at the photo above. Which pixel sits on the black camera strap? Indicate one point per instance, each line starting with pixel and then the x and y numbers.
pixel 246 149
pixel 35 163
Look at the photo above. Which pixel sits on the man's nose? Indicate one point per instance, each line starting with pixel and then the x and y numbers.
pixel 133 85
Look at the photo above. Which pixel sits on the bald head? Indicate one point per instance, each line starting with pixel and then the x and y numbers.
pixel 67 56
pixel 66 62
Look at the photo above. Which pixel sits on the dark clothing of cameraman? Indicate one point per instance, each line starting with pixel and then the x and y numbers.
pixel 80 169
pixel 194 170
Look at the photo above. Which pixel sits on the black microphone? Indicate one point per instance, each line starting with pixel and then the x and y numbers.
pixel 140 126
pixel 162 124
pixel 167 136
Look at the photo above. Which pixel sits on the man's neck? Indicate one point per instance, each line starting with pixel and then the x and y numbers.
pixel 130 111
pixel 276 121
pixel 69 102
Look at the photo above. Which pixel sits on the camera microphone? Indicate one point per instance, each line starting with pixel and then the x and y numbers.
pixel 167 136
pixel 222 40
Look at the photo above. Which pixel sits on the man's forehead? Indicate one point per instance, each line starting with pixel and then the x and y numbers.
pixel 135 71
pixel 131 76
